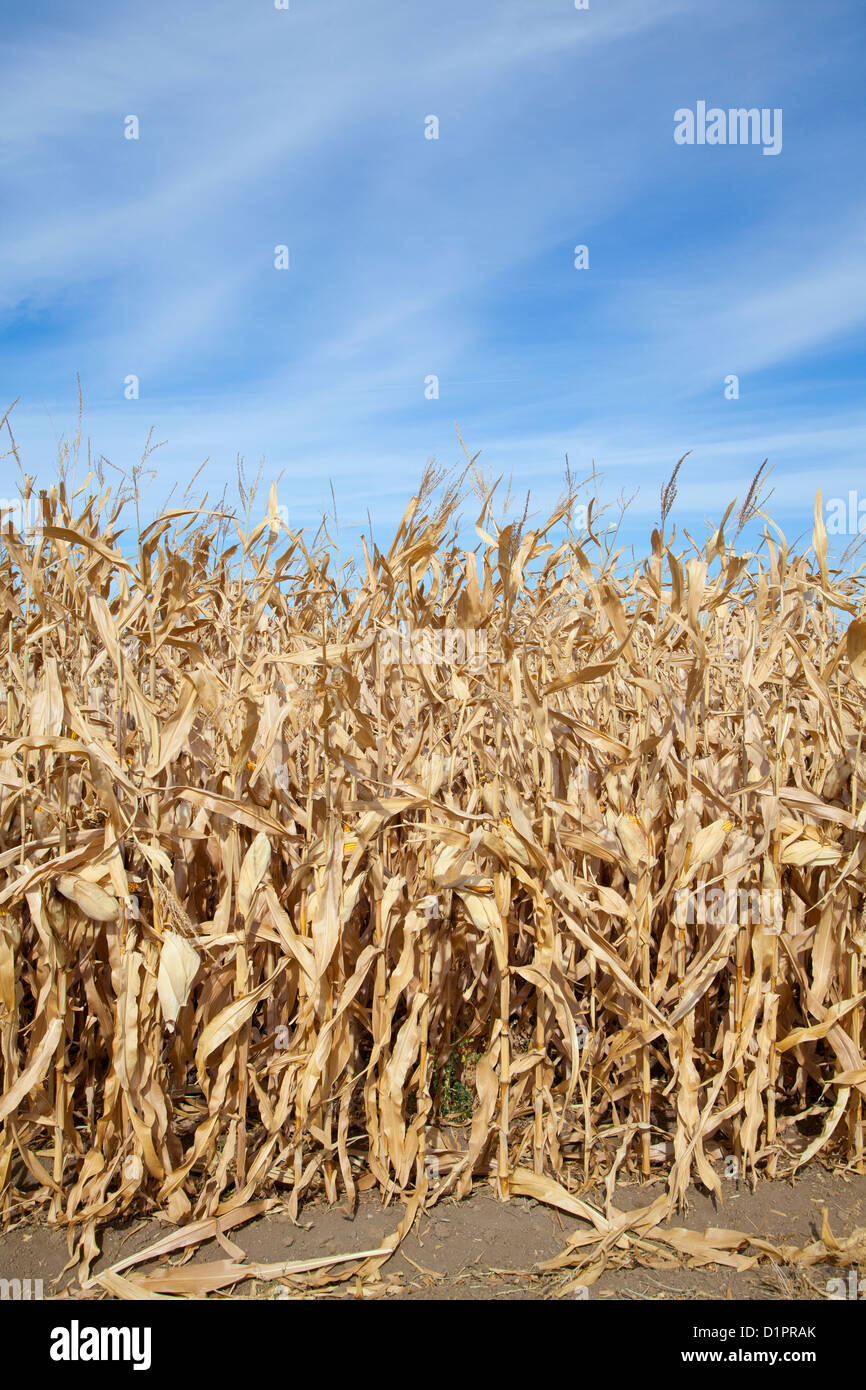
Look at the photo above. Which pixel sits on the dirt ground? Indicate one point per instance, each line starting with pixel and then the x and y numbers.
pixel 482 1248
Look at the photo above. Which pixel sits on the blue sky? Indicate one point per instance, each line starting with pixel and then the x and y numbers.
pixel 453 257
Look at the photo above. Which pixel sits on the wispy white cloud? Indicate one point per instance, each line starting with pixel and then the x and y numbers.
pixel 414 257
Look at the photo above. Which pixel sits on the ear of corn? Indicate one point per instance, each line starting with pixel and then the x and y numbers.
pixel 93 901
pixel 351 875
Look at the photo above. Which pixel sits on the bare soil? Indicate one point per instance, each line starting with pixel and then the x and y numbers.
pixel 482 1248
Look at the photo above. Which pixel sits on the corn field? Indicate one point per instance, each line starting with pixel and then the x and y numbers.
pixel 530 864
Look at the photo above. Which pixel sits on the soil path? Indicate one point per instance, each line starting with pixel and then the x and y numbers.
pixel 482 1248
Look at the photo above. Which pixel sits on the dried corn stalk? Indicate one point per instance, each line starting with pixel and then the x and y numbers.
pixel 289 902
